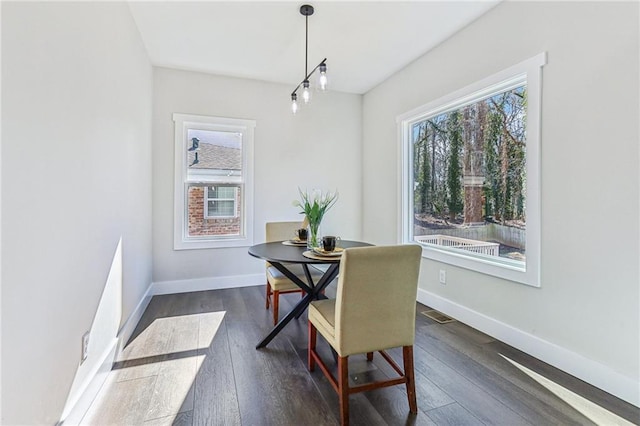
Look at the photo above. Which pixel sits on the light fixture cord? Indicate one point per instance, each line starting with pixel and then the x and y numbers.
pixel 306 44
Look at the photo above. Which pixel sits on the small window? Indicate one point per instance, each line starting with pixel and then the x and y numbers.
pixel 470 175
pixel 214 182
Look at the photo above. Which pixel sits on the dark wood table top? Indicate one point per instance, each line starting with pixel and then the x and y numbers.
pixel 278 252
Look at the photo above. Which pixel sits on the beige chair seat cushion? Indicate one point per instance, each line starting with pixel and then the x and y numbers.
pixel 322 314
pixel 279 282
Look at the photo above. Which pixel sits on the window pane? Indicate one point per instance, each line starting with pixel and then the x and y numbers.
pixel 220 218
pixel 222 192
pixel 221 208
pixel 469 181
pixel 212 154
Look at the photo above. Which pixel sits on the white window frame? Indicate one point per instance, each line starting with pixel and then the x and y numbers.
pixel 529 71
pixel 207 198
pixel 181 238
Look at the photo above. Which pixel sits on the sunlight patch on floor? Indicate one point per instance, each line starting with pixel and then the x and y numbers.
pixel 154 381
pixel 592 411
pixel 176 334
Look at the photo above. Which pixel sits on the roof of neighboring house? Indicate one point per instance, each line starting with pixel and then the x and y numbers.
pixel 211 156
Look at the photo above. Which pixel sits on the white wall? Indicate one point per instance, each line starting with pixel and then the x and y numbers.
pixel 76 179
pixel 0 217
pixel 320 147
pixel 588 304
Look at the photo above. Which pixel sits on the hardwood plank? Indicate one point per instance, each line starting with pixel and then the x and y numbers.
pixel 482 405
pixel 454 415
pixel 392 405
pixel 121 403
pixel 257 389
pixel 181 419
pixel 145 353
pixel 593 394
pixel 428 394
pixel 467 334
pixel 158 307
pixel 272 385
pixel 361 410
pixel 142 356
pixel 176 373
pixel 215 388
pixel 497 377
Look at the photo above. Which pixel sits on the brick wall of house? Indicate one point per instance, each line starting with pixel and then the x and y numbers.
pixel 199 226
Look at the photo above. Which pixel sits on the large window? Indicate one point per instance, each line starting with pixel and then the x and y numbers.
pixel 213 183
pixel 471 175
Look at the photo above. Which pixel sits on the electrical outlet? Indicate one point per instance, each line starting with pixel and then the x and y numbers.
pixel 85 346
pixel 443 276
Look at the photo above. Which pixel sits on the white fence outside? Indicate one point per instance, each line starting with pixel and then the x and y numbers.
pixel 508 235
pixel 475 246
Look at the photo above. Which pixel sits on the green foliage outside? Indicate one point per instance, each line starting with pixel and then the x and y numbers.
pixel 440 159
pixel 454 169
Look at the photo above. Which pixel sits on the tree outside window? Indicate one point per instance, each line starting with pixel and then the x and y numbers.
pixel 470 172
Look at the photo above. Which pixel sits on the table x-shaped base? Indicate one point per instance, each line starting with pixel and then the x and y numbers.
pixel 314 292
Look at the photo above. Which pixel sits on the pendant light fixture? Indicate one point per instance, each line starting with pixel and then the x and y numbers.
pixel 306 10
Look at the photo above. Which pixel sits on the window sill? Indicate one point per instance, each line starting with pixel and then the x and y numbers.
pixel 498 267
pixel 201 244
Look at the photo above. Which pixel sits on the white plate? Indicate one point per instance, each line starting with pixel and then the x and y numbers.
pixel 298 242
pixel 337 252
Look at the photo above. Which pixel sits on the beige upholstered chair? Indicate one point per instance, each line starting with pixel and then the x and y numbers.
pixel 374 309
pixel 277 283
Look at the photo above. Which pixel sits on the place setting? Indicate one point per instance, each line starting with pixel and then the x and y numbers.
pixel 327 250
pixel 299 240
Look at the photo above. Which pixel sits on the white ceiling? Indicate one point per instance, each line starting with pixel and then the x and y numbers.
pixel 364 42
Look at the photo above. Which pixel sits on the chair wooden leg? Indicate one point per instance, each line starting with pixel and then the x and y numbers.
pixel 369 356
pixel 268 295
pixel 311 362
pixel 343 389
pixel 407 356
pixel 276 304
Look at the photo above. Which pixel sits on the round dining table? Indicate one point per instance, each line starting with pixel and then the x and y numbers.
pixel 281 253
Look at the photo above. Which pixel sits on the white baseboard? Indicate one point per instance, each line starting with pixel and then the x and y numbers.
pixel 90 388
pixel 592 372
pixel 126 331
pixel 211 283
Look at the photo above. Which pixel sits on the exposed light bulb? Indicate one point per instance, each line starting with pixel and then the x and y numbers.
pixel 294 103
pixel 306 93
pixel 322 80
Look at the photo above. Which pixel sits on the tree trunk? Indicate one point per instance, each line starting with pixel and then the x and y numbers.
pixel 425 184
pixel 504 170
pixel 474 124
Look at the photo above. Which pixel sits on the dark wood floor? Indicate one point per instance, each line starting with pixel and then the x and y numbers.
pixel 192 361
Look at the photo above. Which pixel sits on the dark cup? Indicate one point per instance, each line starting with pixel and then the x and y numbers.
pixel 301 233
pixel 329 243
